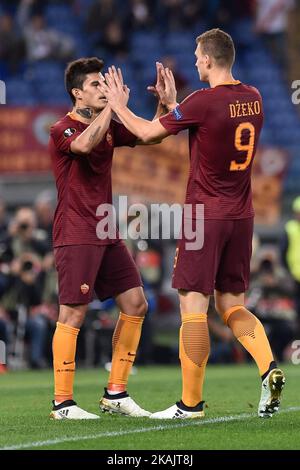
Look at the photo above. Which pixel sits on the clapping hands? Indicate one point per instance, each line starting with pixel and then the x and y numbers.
pixel 165 88
pixel 117 94
pixel 113 88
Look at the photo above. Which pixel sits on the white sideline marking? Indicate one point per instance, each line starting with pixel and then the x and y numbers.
pixel 221 419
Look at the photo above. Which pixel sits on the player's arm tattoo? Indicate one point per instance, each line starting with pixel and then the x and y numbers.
pixel 94 134
pixel 86 113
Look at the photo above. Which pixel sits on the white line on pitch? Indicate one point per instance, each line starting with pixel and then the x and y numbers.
pixel 220 419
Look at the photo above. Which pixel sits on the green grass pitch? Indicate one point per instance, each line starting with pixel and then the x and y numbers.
pixel 231 393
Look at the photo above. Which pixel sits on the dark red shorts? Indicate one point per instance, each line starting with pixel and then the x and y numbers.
pixel 223 263
pixel 87 269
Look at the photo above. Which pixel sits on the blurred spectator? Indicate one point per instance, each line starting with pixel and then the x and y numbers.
pixel 114 40
pixel 223 13
pixel 101 12
pixel 192 13
pixel 29 305
pixel 12 45
pixel 6 258
pixel 42 42
pixel 291 252
pixel 24 273
pixel 3 337
pixel 171 14
pixel 3 220
pixel 149 263
pixel 272 24
pixel 141 15
pixel 270 298
pixel 236 18
pixel 44 208
pixel 105 25
pixel 22 234
pixel 178 15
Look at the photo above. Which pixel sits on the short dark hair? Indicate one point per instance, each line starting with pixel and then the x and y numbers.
pixel 219 45
pixel 76 72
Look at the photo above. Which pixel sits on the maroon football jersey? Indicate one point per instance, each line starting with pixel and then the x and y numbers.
pixel 83 181
pixel 224 125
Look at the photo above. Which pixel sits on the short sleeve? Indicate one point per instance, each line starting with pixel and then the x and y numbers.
pixel 189 113
pixel 122 136
pixel 63 136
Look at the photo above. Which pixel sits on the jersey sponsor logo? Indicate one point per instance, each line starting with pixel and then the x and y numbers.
pixel 109 138
pixel 70 131
pixel 177 114
pixel 84 288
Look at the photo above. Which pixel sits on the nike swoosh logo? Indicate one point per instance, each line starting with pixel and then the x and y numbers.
pixel 66 363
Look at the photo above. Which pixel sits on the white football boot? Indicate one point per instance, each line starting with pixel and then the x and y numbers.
pixel 180 411
pixel 69 410
pixel 122 404
pixel 271 389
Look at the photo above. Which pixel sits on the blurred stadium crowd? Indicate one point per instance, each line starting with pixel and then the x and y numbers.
pixel 37 38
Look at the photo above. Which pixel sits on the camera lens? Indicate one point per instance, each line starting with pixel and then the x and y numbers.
pixel 27 266
pixel 23 226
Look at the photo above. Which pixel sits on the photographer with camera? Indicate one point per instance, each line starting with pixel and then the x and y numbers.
pixel 25 265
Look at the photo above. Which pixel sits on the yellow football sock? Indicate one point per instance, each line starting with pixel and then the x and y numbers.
pixel 64 350
pixel 251 334
pixel 125 342
pixel 193 353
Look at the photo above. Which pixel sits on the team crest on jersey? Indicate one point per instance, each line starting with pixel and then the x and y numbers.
pixel 177 114
pixel 70 131
pixel 109 138
pixel 84 288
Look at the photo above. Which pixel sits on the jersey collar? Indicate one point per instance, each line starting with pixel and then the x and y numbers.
pixel 234 82
pixel 74 117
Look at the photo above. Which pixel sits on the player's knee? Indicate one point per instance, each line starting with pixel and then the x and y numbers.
pixel 138 307
pixel 219 308
pixel 141 308
pixel 72 315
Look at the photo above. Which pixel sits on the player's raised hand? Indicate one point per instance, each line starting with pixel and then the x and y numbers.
pixel 170 92
pixel 113 88
pixel 115 77
pixel 158 89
